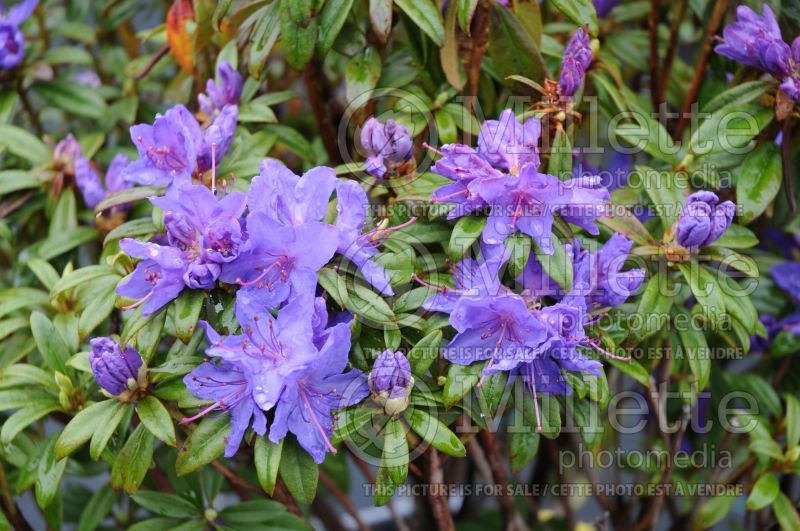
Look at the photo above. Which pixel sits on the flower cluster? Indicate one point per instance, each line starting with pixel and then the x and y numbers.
pixel 517 333
pixel 12 40
pixel 703 220
pixel 503 176
pixel 388 146
pixel 756 41
pixel 576 60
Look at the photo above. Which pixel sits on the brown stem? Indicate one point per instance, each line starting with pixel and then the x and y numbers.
pixel 438 501
pixel 495 458
pixel 318 97
pixel 367 473
pixel 26 104
pixel 161 480
pixel 652 25
pixel 10 509
pixel 786 157
pixel 342 498
pixel 672 46
pixel 152 62
pixel 699 71
pixel 480 39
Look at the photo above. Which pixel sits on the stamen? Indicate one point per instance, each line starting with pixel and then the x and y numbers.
pixel 139 302
pixel 213 167
pixel 316 422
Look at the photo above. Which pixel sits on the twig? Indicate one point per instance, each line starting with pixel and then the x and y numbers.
pixel 699 71
pixel 672 46
pixel 480 39
pixel 152 62
pixel 652 25
pixel 510 518
pixel 10 509
pixel 439 507
pixel 26 104
pixel 342 498
pixel 8 207
pixel 323 510
pixel 318 97
pixel 362 466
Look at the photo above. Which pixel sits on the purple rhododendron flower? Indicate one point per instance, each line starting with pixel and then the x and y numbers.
pixel 157 279
pixel 66 153
pixel 390 381
pixel 468 171
pixel 576 60
pixel 387 144
pixel 175 147
pixel 227 92
pixel 229 386
pixel 115 370
pixel 12 40
pixel 703 220
pixel 613 286
pixel 92 188
pixel 787 277
pixel 507 144
pixel 604 7
pixel 756 41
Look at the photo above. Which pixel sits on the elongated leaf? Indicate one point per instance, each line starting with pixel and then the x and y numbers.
pixel 155 418
pixel 267 457
pixel 764 492
pixel 105 428
pixel 436 433
pixel 759 180
pixel 580 12
pixel 82 426
pixel 48 477
pixel 49 342
pixel 361 76
pixel 23 144
pixel 511 47
pixel 466 232
pixel 332 18
pixel 133 461
pixel 205 444
pixel 426 16
pixel 299 471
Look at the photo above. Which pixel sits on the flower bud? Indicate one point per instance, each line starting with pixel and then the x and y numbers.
pixel 387 145
pixel 390 382
pixel 66 153
pixel 576 60
pixel 119 373
pixel 703 220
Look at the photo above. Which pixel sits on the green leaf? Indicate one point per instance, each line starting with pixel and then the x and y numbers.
pixel 155 418
pixel 712 512
pixel 105 428
pixel 512 48
pixel 695 348
pixel 96 510
pixel 523 446
pixel 166 504
pixel 332 18
pixel 792 421
pixel 426 16
pixel 205 444
pixel 49 342
pixel 425 352
pixel 654 307
pixel 349 422
pixel 81 277
pixel 558 265
pixel 356 298
pixel 759 180
pixel 461 379
pixel 46 273
pixel 737 237
pixel 435 433
pixel 466 8
pixel 48 477
pixel 466 231
pixel 252 512
pixel 361 76
pixel 133 461
pixel 187 313
pixel 299 27
pixel 299 472
pixel 23 144
pixel 73 98
pixel 394 456
pixel 764 492
pixel 25 417
pixel 706 290
pixel 129 195
pixel 580 12
pixel 16 180
pixel 142 227
pixel 267 457
pixel 264 34
pixel 786 513
pixel 519 252
pixel 729 129
pixel 62 242
pixel 740 94
pixel 560 163
pixel 82 426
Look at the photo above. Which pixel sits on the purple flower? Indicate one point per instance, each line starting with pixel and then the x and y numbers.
pixel 230 389
pixel 167 149
pixel 387 144
pixel 472 278
pixel 280 260
pixel 316 389
pixel 90 185
pixel 703 220
pixel 217 138
pixel 787 277
pixel 157 279
pixel 604 7
pixel 508 145
pixel 227 92
pixel 500 329
pixel 390 382
pixel 613 286
pixel 526 204
pixel 66 152
pixel 576 60
pixel 356 245
pixel 756 41
pixel 116 371
pixel 12 40
pixel 468 171
pixel 587 202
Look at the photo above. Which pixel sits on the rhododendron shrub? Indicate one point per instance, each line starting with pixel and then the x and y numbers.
pixel 338 264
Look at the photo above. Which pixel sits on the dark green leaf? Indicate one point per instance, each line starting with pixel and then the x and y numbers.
pixel 155 418
pixel 299 471
pixel 435 433
pixel 205 444
pixel 759 180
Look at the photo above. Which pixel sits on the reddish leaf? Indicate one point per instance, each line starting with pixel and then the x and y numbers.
pixel 180 42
